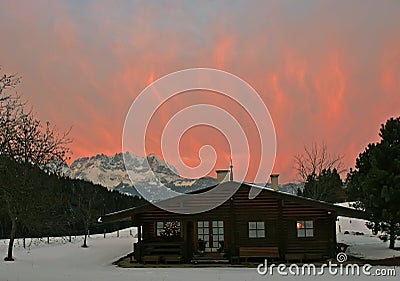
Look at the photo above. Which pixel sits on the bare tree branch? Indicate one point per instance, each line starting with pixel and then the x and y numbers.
pixel 315 159
pixel 7 81
pixel 25 139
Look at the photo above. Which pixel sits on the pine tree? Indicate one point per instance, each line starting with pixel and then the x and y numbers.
pixel 375 181
pixel 327 186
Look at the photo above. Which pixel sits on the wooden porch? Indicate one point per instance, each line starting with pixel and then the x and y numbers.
pixel 159 252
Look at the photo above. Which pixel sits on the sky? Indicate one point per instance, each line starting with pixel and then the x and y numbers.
pixel 328 71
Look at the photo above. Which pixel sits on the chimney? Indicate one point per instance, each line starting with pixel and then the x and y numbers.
pixel 274 182
pixel 222 175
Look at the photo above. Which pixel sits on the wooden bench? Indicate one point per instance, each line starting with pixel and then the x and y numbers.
pixel 155 259
pixel 294 256
pixel 161 252
pixel 175 258
pixel 258 252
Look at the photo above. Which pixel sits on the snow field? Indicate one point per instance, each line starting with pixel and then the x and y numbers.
pixel 61 260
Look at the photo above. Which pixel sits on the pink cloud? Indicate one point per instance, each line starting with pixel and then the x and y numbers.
pixel 327 72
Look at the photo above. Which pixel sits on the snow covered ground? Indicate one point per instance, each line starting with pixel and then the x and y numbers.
pixel 61 261
pixel 68 261
pixel 366 246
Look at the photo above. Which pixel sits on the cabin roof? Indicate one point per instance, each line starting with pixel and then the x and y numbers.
pixel 339 210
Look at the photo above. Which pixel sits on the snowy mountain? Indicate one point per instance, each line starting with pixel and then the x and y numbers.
pixel 110 171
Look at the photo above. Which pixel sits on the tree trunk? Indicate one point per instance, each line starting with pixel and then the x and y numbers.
pixel 392 235
pixel 85 238
pixel 12 238
pixel 84 241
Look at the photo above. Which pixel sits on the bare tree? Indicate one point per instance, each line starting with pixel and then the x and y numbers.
pixel 26 140
pixel 7 81
pixel 89 206
pixel 315 159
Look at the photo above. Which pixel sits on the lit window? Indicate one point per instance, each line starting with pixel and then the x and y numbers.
pixel 168 228
pixel 256 229
pixel 305 228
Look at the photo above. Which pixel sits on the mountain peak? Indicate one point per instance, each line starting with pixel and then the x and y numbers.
pixel 160 166
pixel 110 171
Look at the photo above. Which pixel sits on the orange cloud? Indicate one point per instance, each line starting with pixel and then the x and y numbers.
pixel 322 76
pixel 223 50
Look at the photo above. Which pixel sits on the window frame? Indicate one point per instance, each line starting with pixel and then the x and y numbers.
pixel 204 234
pixel 253 232
pixel 158 228
pixel 303 228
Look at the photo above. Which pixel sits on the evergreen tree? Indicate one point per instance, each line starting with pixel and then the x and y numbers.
pixel 28 199
pixel 375 181
pixel 327 186
pixel 50 205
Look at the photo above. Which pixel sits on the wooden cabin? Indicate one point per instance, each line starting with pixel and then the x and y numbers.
pixel 273 225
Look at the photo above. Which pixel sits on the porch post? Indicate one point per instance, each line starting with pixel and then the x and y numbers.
pixel 139 235
pixel 332 238
pixel 232 231
pixel 138 247
pixel 185 240
pixel 283 236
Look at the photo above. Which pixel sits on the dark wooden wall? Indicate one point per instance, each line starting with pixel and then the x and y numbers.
pixel 279 215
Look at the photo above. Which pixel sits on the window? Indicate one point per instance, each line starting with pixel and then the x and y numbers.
pixel 211 233
pixel 203 230
pixel 305 228
pixel 218 233
pixel 160 226
pixel 168 228
pixel 256 229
